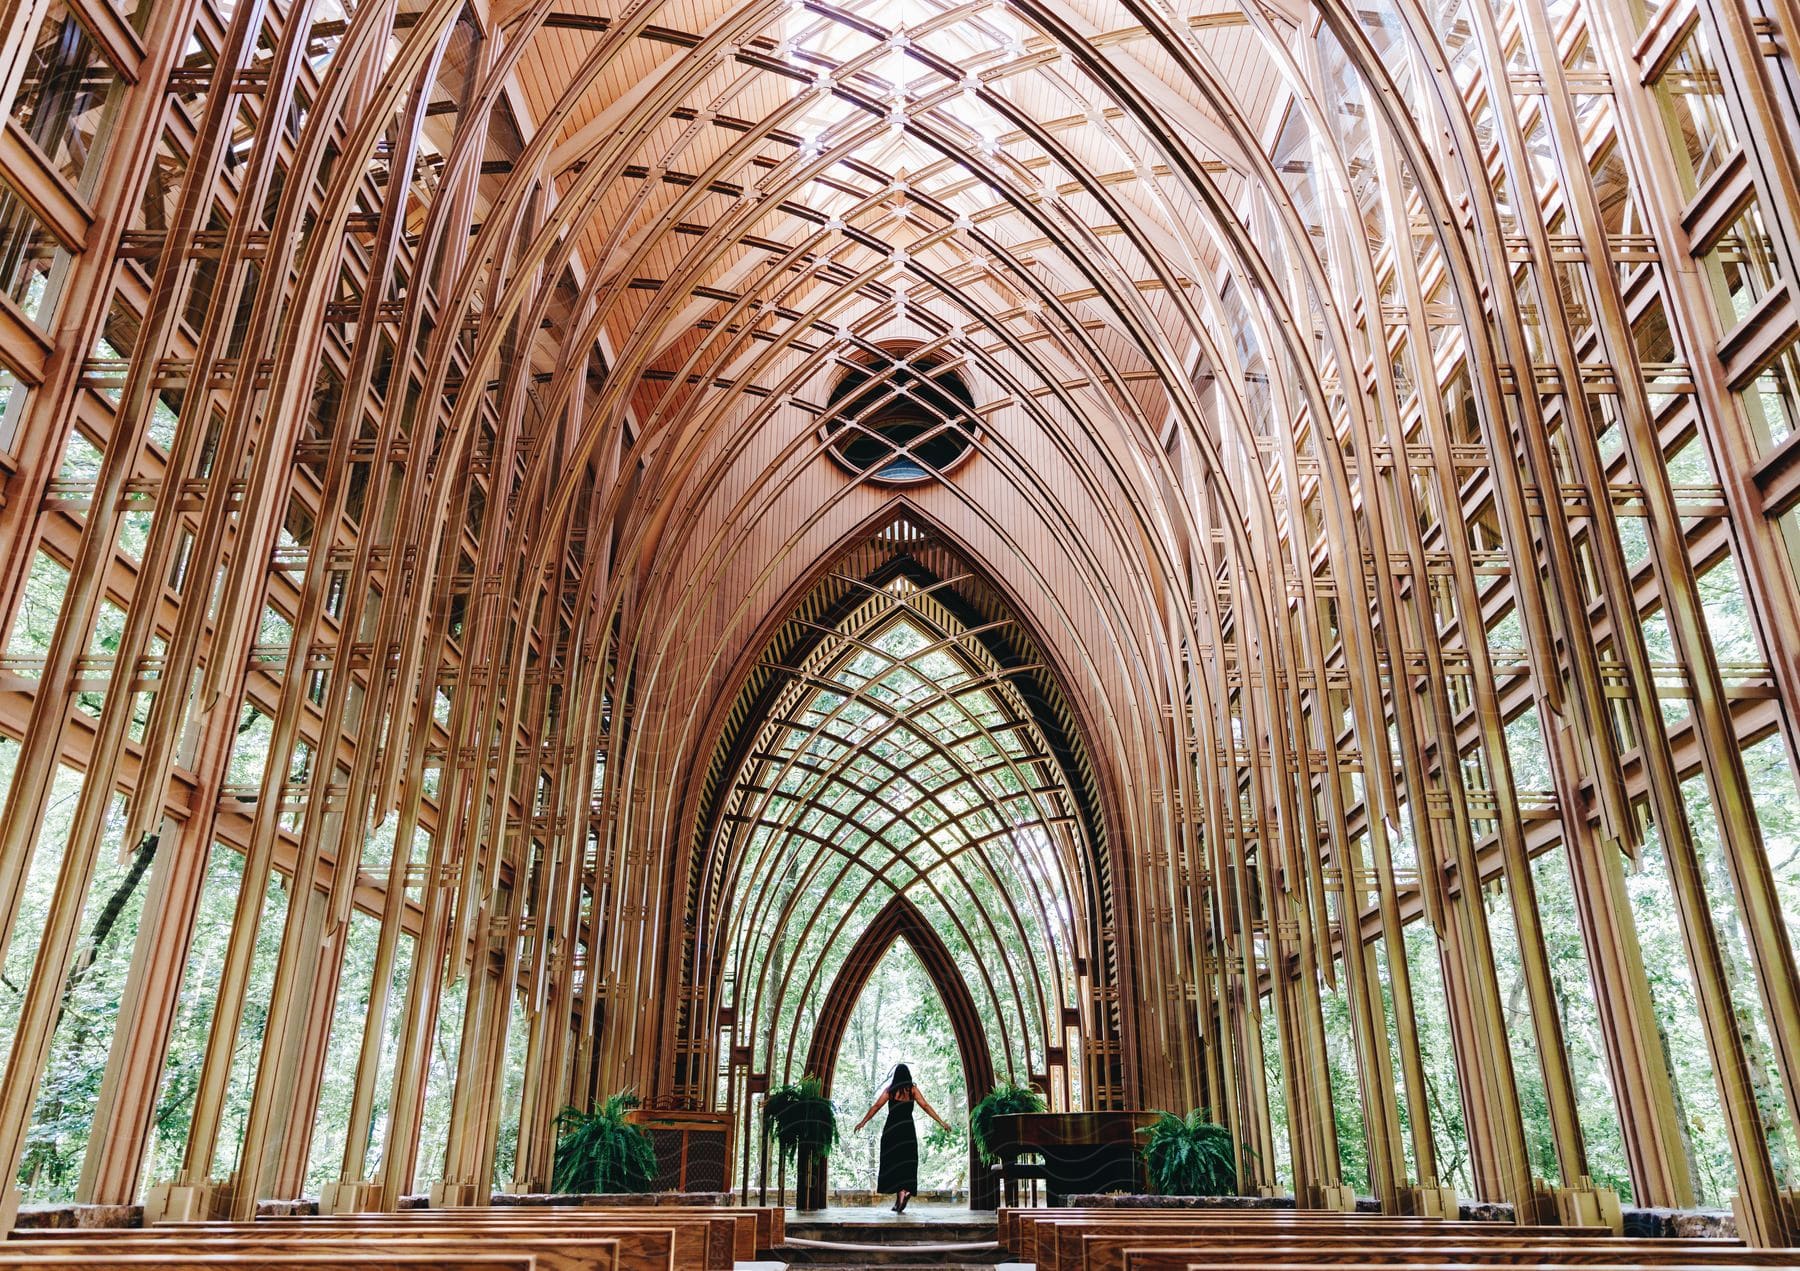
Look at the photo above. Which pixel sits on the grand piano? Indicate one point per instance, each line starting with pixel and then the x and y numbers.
pixel 1077 1152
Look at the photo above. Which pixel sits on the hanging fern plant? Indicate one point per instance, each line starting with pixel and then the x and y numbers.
pixel 1005 1099
pixel 800 1116
pixel 600 1151
pixel 1190 1156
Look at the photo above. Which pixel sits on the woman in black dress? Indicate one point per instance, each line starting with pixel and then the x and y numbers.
pixel 899 1140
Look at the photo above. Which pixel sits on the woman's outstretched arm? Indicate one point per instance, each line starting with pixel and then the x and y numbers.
pixel 876 1107
pixel 919 1098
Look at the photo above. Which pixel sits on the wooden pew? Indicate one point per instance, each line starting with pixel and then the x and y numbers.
pixel 693 1244
pixel 1301 1240
pixel 331 1260
pixel 1048 1240
pixel 1036 1233
pixel 1150 1253
pixel 622 1249
pixel 753 1229
pixel 1525 1264
pixel 1010 1223
pixel 771 1220
pixel 757 1228
pixel 699 1240
pixel 650 1237
pixel 125 1244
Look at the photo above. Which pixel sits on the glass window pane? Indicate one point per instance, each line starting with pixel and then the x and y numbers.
pixel 1693 101
pixel 1679 1027
pixel 247 1053
pixel 1583 1035
pixel 1740 267
pixel 343 1048
pixel 35 901
pixel 12 408
pixel 1772 400
pixel 88 1015
pixel 29 255
pixel 440 1085
pixel 1272 1080
pixel 67 96
pixel 1346 1101
pixel 1528 1071
pixel 1741 973
pixel 1437 1051
pixel 198 997
pixel 1775 796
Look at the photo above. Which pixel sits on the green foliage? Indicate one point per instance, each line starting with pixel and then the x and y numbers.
pixel 800 1116
pixel 600 1151
pixel 512 1097
pixel 440 1084
pixel 1190 1156
pixel 941 1139
pixel 1438 1050
pixel 1346 1105
pixel 901 1018
pixel 1005 1099
pixel 86 1016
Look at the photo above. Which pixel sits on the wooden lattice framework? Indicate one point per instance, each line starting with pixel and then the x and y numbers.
pixel 415 411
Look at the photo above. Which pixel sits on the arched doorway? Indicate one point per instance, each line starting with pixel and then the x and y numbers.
pixel 901 920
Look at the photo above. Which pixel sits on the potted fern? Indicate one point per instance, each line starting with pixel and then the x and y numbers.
pixel 600 1151
pixel 802 1121
pixel 1005 1099
pixel 1190 1156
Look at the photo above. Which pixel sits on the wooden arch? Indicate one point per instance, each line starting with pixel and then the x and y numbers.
pixel 901 919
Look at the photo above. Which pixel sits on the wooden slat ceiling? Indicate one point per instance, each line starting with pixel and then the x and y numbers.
pixel 649 226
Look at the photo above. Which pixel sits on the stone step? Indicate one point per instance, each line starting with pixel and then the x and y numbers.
pixel 897 1266
pixel 913 1253
pixel 931 1236
pixel 898 1231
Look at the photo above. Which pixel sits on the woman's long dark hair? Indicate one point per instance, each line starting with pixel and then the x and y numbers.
pixel 901 1083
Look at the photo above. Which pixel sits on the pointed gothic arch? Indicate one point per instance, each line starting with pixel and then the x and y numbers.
pixel 972 796
pixel 899 920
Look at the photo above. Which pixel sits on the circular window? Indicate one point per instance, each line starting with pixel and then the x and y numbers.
pixel 900 418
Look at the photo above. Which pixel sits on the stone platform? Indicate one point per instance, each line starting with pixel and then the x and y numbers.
pixel 939 1237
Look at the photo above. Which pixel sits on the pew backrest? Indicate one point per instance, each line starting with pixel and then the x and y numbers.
pixel 635 1249
pixel 176 1260
pixel 712 1240
pixel 1016 1226
pixel 684 1246
pixel 1038 1237
pixel 770 1219
pixel 1205 1263
pixel 550 1254
pixel 1112 1253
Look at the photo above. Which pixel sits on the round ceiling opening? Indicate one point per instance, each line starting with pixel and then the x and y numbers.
pixel 899 417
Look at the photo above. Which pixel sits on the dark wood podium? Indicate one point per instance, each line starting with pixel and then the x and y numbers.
pixel 1078 1151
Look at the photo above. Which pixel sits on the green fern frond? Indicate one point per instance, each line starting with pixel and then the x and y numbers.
pixel 601 1151
pixel 1005 1099
pixel 801 1115
pixel 1190 1156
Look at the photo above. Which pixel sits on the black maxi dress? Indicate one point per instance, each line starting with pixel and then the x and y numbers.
pixel 899 1149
